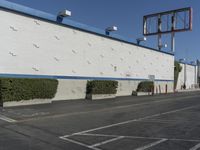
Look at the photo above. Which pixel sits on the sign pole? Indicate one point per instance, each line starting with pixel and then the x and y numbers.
pixel 173 42
pixel 159 32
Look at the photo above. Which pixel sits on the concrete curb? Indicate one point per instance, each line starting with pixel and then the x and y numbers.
pixel 100 96
pixel 27 102
pixel 189 90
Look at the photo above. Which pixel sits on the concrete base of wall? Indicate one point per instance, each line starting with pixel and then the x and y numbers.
pixel 100 96
pixel 187 90
pixel 70 90
pixel 142 94
pixel 126 88
pixel 163 87
pixel 27 102
pixel 76 89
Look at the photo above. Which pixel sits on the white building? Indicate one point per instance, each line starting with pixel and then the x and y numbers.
pixel 35 45
pixel 188 76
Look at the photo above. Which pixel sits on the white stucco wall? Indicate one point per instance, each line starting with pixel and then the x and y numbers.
pixel 35 47
pixel 30 46
pixel 188 73
pixel 70 90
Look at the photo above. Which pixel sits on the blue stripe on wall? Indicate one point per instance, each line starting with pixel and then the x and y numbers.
pixel 74 77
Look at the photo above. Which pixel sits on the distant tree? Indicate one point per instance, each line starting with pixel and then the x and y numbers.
pixel 177 70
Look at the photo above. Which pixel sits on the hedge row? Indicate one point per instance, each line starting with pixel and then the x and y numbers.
pixel 110 87
pixel 12 89
pixel 145 86
pixel 102 87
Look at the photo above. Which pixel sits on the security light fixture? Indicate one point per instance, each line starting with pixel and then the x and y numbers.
pixel 165 46
pixel 162 46
pixel 141 40
pixel 111 29
pixel 62 14
pixel 182 60
pixel 65 13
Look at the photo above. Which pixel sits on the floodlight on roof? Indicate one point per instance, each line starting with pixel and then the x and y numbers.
pixel 141 40
pixel 165 45
pixel 65 13
pixel 111 29
pixel 62 14
pixel 182 59
pixel 162 46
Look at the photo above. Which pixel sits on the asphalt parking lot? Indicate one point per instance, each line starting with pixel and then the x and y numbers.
pixel 164 122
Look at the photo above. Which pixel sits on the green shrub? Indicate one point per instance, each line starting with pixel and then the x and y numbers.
pixel 102 87
pixel 145 86
pixel 14 89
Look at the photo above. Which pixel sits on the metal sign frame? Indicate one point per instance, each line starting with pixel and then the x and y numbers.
pixel 173 24
pixel 173 28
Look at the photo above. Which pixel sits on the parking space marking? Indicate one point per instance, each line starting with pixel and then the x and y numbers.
pixel 151 144
pixel 4 118
pixel 130 137
pixel 107 141
pixel 134 120
pixel 100 135
pixel 118 137
pixel 79 143
pixel 196 147
pixel 141 137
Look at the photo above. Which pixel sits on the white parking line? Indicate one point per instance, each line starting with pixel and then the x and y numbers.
pixel 118 137
pixel 79 143
pixel 106 142
pixel 196 147
pixel 100 135
pixel 141 137
pixel 130 137
pixel 151 144
pixel 130 121
pixel 4 118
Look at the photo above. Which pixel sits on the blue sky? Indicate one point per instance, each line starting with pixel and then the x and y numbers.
pixel 127 15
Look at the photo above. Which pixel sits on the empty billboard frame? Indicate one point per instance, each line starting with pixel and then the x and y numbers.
pixel 173 21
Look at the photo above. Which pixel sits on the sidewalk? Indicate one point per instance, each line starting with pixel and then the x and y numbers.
pixel 187 90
